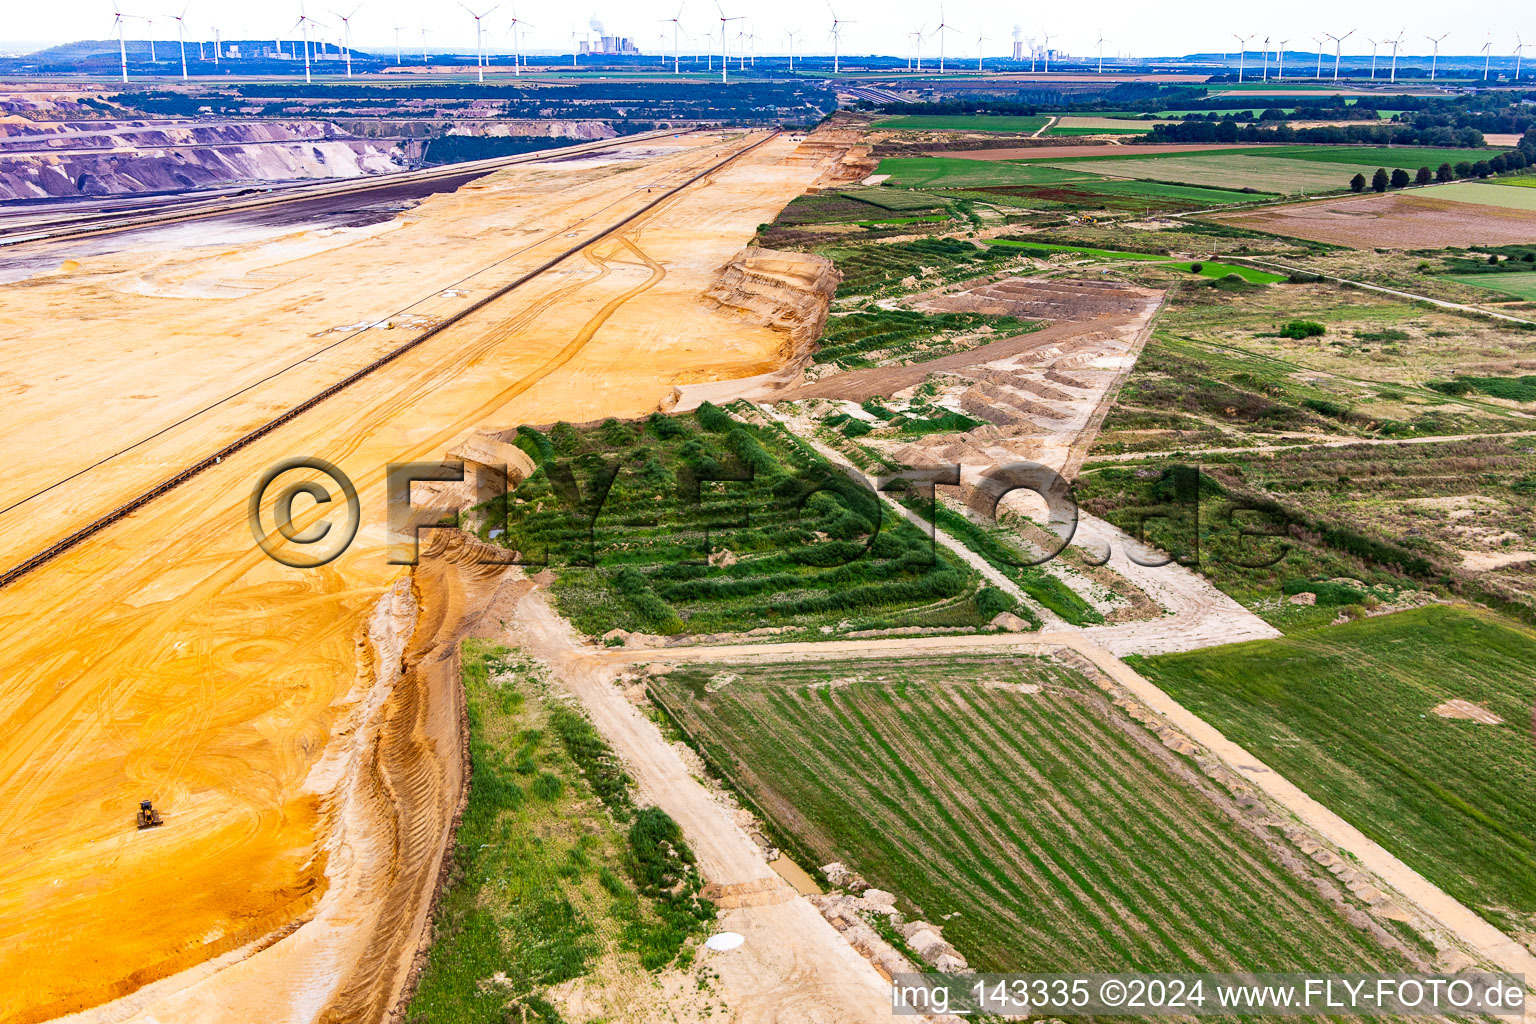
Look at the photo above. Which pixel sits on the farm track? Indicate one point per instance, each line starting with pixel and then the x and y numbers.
pixel 794 965
pixel 1481 938
pixel 1441 303
pixel 139 501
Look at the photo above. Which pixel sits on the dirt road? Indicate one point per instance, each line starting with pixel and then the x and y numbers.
pixel 1477 935
pixel 794 966
pixel 168 658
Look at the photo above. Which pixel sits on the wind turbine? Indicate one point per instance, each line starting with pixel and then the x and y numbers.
pixel 1266 58
pixel 1487 55
pixel 1045 52
pixel 424 61
pixel 303 25
pixel 1319 74
pixel 1338 46
pixel 118 17
pixel 1100 45
pixel 346 35
pixel 573 47
pixel 479 47
pixel 1030 42
pixel 742 38
pixel 1395 44
pixel 1242 53
pixel 725 63
pixel 792 36
pixel 676 25
pixel 1374 43
pixel 943 27
pixel 1519 54
pixel 1280 57
pixel 1433 61
pixel 397 44
pixel 149 25
pixel 917 42
pixel 980 38
pixel 217 45
pixel 517 50
pixel 181 37
pixel 837 38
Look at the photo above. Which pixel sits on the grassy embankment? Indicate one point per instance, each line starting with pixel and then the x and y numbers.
pixel 555 869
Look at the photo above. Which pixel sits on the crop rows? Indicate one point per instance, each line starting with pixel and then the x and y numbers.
pixel 1348 715
pixel 1041 834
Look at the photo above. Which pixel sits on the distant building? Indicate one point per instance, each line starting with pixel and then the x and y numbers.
pixel 609 45
pixel 1018 49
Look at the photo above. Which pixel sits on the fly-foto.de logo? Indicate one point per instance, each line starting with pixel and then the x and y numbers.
pixel 304 512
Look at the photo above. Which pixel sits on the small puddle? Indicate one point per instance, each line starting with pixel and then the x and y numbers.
pixel 795 875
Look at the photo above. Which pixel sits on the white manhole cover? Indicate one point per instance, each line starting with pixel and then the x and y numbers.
pixel 723 941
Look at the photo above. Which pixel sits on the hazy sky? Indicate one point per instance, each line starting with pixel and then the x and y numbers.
pixel 883 26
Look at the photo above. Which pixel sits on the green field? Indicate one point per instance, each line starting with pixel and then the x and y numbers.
pixel 1071 183
pixel 1225 170
pixel 898 199
pixel 1485 194
pixel 1040 827
pixel 964 122
pixel 1520 284
pixel 1410 158
pixel 1207 268
pixel 1249 274
pixel 554 868
pixel 1281 169
pixel 1153 191
pixel 1346 713
pixel 957 172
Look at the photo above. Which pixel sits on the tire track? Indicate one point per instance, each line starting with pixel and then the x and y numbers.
pixel 144 498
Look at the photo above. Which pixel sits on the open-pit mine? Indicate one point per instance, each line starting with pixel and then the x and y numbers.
pixel 298 730
pixel 498 537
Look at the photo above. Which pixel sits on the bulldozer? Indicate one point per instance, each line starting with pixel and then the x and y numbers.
pixel 148 817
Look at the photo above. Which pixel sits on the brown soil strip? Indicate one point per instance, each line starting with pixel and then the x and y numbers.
pixel 1393 220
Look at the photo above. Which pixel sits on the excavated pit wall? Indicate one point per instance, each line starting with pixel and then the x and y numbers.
pixel 94 159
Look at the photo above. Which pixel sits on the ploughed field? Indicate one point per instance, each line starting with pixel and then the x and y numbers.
pixel 1007 799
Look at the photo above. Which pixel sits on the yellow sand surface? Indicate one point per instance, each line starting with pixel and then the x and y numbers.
pixel 168 658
